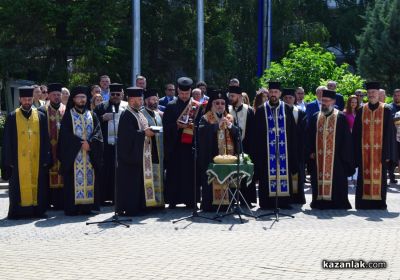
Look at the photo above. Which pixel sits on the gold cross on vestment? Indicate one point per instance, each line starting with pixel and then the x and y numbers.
pixel 29 131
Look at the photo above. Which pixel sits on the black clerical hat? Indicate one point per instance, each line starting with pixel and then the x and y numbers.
pixel 134 92
pixel 115 87
pixel 329 93
pixel 26 91
pixel 78 90
pixel 372 85
pixel 54 87
pixel 184 83
pixel 74 92
pixel 288 91
pixel 150 92
pixel 274 85
pixel 215 94
pixel 235 89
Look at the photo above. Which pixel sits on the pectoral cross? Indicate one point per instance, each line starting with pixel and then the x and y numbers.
pixel 29 133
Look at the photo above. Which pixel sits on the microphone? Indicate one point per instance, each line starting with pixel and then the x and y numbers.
pixel 113 109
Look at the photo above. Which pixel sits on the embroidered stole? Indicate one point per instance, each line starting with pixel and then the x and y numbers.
pixel 188 116
pixel 158 174
pixel 278 176
pixel 372 136
pixel 28 137
pixel 225 147
pixel 325 140
pixel 149 188
pixel 54 117
pixel 84 176
pixel 110 125
pixel 295 177
pixel 241 116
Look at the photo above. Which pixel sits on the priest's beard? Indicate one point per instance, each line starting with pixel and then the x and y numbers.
pixel 80 107
pixel 55 105
pixel 152 106
pixel 26 107
pixel 326 109
pixel 273 101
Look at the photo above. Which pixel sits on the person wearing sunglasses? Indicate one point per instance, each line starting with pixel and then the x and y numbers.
pixel 106 112
pixel 217 136
pixel 169 95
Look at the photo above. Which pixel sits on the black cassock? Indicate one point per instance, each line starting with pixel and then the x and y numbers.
pixel 388 141
pixel 10 172
pixel 343 164
pixel 107 169
pixel 68 148
pixel 208 149
pixel 130 189
pixel 178 158
pixel 249 192
pixel 261 157
pixel 301 125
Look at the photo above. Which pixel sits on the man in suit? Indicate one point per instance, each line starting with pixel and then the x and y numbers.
pixel 169 95
pixel 332 85
pixel 300 99
pixel 315 106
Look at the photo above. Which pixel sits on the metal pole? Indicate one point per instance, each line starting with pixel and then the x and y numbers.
pixel 265 33
pixel 200 40
pixel 135 40
pixel 269 27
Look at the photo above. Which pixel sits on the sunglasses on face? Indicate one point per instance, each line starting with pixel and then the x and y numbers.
pixel 115 94
pixel 219 103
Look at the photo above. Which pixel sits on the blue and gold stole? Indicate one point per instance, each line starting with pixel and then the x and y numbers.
pixel 278 176
pixel 158 169
pixel 83 169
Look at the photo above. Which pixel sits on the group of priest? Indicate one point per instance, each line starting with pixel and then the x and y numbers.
pixel 127 152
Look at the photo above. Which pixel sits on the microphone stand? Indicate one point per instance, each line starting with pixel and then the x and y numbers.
pixel 114 219
pixel 276 211
pixel 237 210
pixel 195 212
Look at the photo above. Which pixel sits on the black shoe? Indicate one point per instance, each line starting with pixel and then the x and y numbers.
pixel 393 181
pixel 172 206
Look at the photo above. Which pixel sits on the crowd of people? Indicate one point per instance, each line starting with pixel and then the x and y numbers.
pixel 80 149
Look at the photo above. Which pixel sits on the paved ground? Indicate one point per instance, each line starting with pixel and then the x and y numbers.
pixel 153 248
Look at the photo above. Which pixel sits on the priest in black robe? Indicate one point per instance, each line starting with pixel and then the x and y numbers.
pixel 106 111
pixel 373 146
pixel 243 116
pixel 179 124
pixel 298 179
pixel 275 150
pixel 54 111
pixel 154 119
pixel 133 136
pixel 26 151
pixel 217 136
pixel 80 149
pixel 331 155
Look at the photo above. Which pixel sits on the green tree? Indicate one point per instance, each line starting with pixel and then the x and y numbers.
pixel 380 42
pixel 310 66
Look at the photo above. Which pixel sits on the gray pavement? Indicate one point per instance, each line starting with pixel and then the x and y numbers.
pixel 63 247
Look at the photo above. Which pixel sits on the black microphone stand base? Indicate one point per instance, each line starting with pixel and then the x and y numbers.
pixel 115 220
pixel 237 210
pixel 276 213
pixel 195 214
